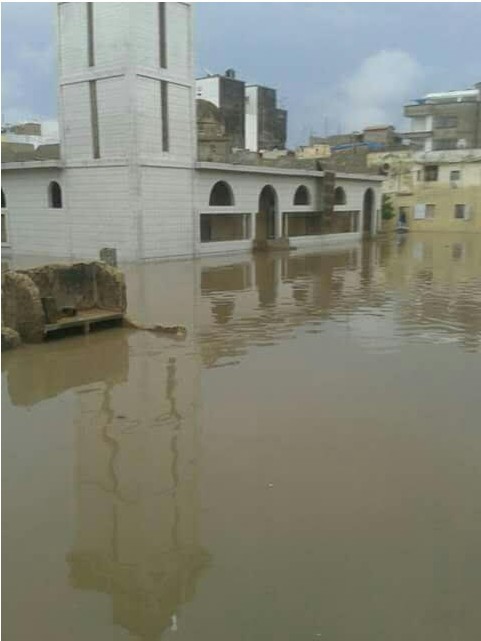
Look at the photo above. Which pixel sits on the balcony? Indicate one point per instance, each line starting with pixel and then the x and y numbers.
pixel 412 111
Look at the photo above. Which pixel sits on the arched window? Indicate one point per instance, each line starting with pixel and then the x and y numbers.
pixel 339 196
pixel 54 195
pixel 301 197
pixel 221 195
pixel 4 200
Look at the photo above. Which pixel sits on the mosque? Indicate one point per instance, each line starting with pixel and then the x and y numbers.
pixel 127 175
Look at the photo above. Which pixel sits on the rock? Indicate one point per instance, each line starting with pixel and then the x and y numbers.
pixel 31 298
pixel 21 306
pixel 111 290
pixel 10 338
pixel 50 309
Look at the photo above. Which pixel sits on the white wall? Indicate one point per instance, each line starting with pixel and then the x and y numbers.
pixel 101 209
pixel 167 205
pixel 72 28
pixel 113 117
pixel 34 227
pixel 208 89
pixel 110 27
pixel 251 119
pixel 75 128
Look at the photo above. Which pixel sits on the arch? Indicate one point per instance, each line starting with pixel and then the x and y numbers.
pixel 4 200
pixel 367 211
pixel 339 196
pixel 55 195
pixel 302 196
pixel 266 219
pixel 221 195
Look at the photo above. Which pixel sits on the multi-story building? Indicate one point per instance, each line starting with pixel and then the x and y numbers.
pixel 265 124
pixel 227 93
pixel 27 133
pixel 446 120
pixel 434 191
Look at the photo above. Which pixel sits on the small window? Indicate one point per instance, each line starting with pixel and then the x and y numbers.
pixel 301 196
pixel 4 200
pixel 55 195
pixel 221 195
pixel 430 211
pixel 403 215
pixel 454 175
pixel 460 212
pixel 339 196
pixel 430 173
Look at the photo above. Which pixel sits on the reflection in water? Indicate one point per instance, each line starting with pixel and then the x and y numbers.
pixel 371 461
pixel 434 296
pixel 137 509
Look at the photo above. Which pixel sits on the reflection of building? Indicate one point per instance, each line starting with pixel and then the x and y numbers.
pixel 284 293
pixel 446 120
pixel 137 502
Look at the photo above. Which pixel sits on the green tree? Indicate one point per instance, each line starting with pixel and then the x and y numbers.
pixel 387 208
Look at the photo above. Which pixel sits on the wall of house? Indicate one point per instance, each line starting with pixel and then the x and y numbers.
pixel 33 226
pixel 251 119
pixel 411 188
pixel 167 224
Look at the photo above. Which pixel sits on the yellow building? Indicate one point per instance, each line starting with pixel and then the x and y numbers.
pixel 434 191
pixel 314 151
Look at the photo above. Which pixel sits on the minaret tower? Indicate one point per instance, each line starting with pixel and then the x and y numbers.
pixel 127 123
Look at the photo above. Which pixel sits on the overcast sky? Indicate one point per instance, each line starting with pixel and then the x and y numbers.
pixel 335 66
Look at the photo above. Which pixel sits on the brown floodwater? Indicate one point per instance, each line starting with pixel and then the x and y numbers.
pixel 305 464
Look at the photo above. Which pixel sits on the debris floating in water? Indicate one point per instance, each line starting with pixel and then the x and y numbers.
pixel 176 330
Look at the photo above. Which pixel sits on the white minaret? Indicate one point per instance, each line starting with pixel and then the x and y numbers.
pixel 127 122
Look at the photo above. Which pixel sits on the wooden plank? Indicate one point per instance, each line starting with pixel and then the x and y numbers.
pixel 84 320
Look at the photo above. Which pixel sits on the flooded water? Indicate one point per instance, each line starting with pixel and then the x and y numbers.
pixel 305 464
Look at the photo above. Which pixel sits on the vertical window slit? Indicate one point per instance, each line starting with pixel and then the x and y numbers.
pixel 90 33
pixel 94 118
pixel 162 36
pixel 164 98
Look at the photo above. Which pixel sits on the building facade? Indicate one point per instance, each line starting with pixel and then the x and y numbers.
pixel 447 120
pixel 227 94
pixel 128 177
pixel 434 191
pixel 265 123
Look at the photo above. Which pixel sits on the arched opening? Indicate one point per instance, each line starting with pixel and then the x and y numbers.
pixel 267 214
pixel 55 195
pixel 302 196
pixel 4 200
pixel 221 195
pixel 368 211
pixel 339 196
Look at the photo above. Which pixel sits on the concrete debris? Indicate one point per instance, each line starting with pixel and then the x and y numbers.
pixel 177 330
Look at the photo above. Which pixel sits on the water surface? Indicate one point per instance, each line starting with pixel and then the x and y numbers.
pixel 306 464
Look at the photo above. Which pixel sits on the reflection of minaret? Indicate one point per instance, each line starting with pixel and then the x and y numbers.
pixel 223 310
pixel 138 506
pixel 267 279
